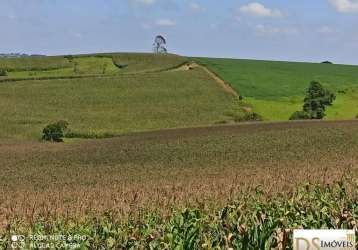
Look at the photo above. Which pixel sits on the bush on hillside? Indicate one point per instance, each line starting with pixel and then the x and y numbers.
pixel 3 72
pixel 249 116
pixel 88 135
pixel 300 115
pixel 55 132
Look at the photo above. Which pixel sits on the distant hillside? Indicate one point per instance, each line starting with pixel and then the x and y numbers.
pixel 83 65
pixel 107 94
pixel 18 55
pixel 276 89
pixel 117 93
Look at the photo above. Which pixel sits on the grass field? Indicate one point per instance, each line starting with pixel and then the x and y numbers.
pixel 156 172
pixel 34 63
pixel 276 89
pixel 112 105
pixel 87 65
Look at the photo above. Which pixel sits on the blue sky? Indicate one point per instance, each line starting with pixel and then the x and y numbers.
pixel 304 30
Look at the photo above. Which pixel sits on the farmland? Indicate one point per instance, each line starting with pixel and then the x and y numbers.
pixel 113 105
pixel 149 174
pixel 86 65
pixel 34 63
pixel 276 89
pixel 165 163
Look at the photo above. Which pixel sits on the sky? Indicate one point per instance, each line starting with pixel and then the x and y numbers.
pixel 295 30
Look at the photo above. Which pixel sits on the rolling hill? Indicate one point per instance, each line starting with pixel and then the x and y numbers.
pixel 142 95
pixel 109 94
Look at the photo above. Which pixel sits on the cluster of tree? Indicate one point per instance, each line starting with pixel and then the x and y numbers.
pixel 3 72
pixel 55 132
pixel 315 103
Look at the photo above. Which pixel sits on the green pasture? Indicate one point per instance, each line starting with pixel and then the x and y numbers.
pixel 34 63
pixel 277 89
pixel 91 65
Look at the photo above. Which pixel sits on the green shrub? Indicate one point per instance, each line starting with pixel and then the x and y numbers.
pixel 55 132
pixel 300 115
pixel 73 134
pixel 3 72
pixel 248 116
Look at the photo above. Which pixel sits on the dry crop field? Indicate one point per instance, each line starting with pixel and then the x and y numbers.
pixel 154 172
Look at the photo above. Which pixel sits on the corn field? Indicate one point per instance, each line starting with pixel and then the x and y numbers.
pixel 253 221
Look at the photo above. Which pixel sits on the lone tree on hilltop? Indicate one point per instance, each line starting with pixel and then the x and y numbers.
pixel 159 45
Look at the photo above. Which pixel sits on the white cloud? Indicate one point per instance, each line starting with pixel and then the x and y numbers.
pixel 345 6
pixel 195 7
pixel 259 10
pixel 165 22
pixel 267 30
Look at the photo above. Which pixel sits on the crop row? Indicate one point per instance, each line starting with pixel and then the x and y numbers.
pixel 251 222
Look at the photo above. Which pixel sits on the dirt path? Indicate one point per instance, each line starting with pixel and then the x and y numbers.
pixel 227 88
